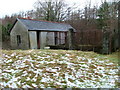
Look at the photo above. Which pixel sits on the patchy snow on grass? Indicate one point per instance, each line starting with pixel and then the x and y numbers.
pixel 56 69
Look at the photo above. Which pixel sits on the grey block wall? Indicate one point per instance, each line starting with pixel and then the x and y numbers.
pixel 33 39
pixel 19 29
pixel 50 38
pixel 62 38
pixel 43 40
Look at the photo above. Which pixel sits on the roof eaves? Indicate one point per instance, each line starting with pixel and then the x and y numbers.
pixel 48 30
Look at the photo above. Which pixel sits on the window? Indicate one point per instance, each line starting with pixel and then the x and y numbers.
pixel 18 40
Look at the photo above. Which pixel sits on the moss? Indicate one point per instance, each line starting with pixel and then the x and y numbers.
pixel 18 74
pixel 29 83
pixel 23 79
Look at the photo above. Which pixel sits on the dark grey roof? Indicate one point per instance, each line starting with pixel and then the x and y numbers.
pixel 45 25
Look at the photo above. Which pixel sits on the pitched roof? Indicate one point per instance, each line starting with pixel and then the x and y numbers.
pixel 45 25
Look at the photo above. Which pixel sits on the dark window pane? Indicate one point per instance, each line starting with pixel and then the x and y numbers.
pixel 18 39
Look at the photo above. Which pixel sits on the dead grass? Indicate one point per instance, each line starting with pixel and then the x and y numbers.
pixel 58 69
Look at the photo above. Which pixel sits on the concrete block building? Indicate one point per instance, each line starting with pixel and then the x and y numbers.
pixel 37 34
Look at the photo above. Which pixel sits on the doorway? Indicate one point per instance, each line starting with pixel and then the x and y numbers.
pixel 38 39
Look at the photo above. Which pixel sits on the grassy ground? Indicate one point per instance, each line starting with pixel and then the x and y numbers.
pixel 115 57
pixel 58 69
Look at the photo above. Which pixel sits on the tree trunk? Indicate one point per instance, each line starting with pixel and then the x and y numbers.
pixel 106 42
pixel 70 39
